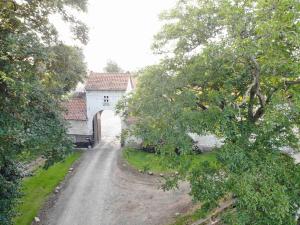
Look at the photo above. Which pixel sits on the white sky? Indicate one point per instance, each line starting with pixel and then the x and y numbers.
pixel 121 31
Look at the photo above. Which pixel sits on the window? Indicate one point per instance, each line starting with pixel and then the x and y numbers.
pixel 106 100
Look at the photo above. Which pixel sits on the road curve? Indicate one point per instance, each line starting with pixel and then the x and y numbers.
pixel 104 191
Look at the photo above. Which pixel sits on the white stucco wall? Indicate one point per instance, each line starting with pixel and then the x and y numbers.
pixel 77 127
pixel 129 87
pixel 94 104
pixel 206 141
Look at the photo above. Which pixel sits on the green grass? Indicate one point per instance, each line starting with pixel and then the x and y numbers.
pixel 144 161
pixel 37 189
pixel 152 162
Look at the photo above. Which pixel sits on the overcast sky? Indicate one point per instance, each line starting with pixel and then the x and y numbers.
pixel 120 30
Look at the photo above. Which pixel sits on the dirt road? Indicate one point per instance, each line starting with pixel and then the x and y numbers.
pixel 105 191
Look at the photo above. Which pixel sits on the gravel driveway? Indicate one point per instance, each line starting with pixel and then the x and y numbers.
pixel 105 191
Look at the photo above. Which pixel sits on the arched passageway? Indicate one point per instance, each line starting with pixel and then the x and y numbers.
pixel 106 125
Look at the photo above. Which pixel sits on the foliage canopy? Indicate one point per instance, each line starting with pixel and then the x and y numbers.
pixel 231 68
pixel 36 70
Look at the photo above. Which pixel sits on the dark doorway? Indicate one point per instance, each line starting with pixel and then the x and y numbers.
pixel 97 128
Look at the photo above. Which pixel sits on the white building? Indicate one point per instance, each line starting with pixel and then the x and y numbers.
pixel 102 92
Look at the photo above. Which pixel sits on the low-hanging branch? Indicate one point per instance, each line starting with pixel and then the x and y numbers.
pixel 292 82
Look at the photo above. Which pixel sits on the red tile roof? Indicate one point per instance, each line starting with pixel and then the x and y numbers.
pixel 76 108
pixel 107 81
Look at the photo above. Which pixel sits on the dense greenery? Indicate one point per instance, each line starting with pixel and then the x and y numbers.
pixel 36 70
pixel 36 189
pixel 230 68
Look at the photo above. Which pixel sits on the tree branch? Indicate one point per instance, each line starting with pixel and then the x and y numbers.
pixel 200 105
pixel 254 88
pixel 254 85
pixel 223 206
pixel 263 102
pixel 289 83
pixel 251 104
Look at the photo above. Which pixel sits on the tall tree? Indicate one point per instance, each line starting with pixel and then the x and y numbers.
pixel 36 69
pixel 66 68
pixel 231 68
pixel 112 67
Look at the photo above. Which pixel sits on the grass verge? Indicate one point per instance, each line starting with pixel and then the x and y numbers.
pixel 145 161
pixel 36 189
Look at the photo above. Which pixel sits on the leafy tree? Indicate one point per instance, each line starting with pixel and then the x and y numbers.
pixel 66 68
pixel 231 68
pixel 36 70
pixel 112 67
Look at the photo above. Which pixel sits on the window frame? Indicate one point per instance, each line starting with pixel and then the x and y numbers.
pixel 105 100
